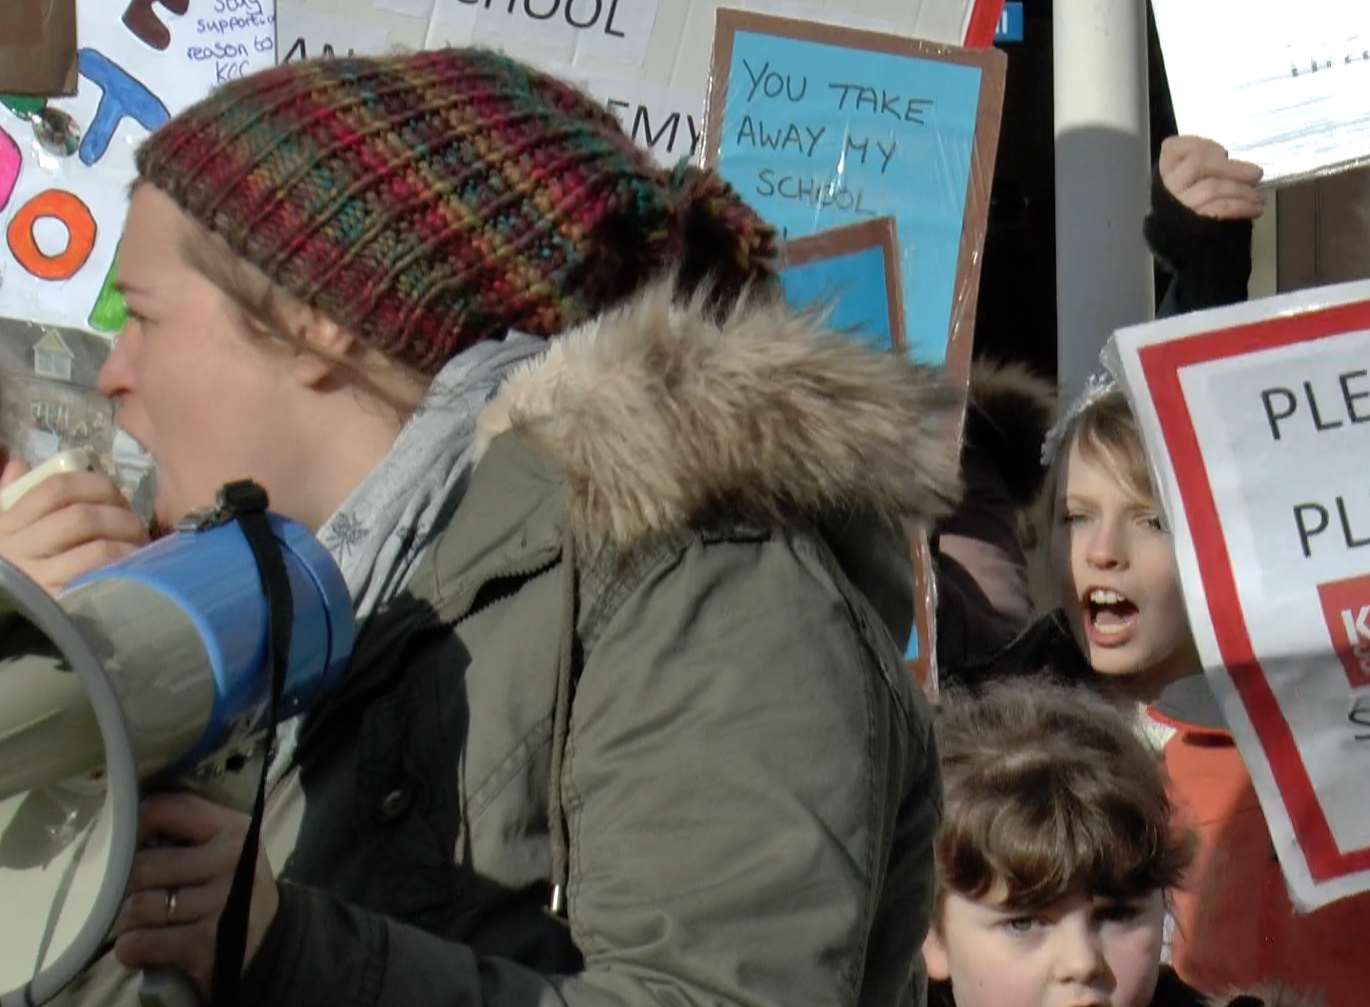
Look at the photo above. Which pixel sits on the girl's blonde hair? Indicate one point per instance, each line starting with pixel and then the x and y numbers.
pixel 1107 434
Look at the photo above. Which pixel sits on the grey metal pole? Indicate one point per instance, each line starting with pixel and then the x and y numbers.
pixel 1104 274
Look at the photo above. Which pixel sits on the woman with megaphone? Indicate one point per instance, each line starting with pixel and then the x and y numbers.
pixel 627 719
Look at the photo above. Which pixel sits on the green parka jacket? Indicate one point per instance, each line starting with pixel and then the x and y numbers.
pixel 654 661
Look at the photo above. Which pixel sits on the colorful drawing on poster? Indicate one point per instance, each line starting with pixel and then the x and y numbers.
pixel 852 273
pixel 56 132
pixel 139 63
pixel 818 126
pixel 11 163
pixel 22 105
pixel 983 21
pixel 122 95
pixel 73 214
pixel 143 21
pixel 110 313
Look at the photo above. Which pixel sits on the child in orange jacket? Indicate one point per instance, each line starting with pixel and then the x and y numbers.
pixel 1121 629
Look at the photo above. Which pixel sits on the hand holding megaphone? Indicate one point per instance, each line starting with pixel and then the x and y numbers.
pixel 177 891
pixel 64 518
pixel 168 669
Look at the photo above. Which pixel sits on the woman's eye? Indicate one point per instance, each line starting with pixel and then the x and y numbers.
pixel 1020 924
pixel 1154 522
pixel 1072 517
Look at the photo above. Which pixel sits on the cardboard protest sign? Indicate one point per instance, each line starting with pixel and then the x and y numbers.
pixel 1289 88
pixel 852 273
pixel 65 168
pixel 818 126
pixel 38 47
pixel 305 33
pixel 65 165
pixel 648 60
pixel 573 32
pixel 983 21
pixel 1257 422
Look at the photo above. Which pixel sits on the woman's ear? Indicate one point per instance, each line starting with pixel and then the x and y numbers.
pixel 935 955
pixel 320 346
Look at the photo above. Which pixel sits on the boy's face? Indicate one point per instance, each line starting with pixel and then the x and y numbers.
pixel 1114 565
pixel 1079 952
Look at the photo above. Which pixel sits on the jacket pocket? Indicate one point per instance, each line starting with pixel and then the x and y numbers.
pixel 397 857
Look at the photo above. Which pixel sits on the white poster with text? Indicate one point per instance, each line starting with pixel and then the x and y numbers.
pixel 1257 422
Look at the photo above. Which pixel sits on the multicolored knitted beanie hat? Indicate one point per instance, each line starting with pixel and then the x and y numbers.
pixel 430 200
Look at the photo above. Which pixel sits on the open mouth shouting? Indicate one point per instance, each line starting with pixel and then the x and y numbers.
pixel 1110 617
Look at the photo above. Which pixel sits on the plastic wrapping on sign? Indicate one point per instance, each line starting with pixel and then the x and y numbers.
pixel 820 127
pixel 43 411
pixel 1314 174
pixel 873 154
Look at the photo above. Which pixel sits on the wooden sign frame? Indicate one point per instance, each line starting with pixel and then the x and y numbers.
pixel 992 64
pixel 877 233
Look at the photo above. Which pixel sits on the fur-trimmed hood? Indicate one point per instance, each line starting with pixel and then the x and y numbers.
pixel 1009 413
pixel 662 417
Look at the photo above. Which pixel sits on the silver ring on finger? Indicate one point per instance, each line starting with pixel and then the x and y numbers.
pixel 170 906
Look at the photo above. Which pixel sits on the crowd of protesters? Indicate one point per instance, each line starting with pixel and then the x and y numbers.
pixel 627 541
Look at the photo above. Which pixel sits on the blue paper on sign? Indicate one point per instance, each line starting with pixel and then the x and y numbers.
pixel 817 135
pixel 852 288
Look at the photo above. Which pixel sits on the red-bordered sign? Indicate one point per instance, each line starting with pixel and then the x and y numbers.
pixel 1161 365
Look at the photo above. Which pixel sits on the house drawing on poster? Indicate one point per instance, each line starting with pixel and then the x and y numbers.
pixel 50 377
pixel 52 359
pixel 49 402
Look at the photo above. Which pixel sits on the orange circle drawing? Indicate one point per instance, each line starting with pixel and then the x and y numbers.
pixel 77 219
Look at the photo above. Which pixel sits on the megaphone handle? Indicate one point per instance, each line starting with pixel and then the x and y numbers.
pixel 171 987
pixel 166 988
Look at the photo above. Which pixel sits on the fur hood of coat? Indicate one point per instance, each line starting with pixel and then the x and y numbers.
pixel 1009 414
pixel 664 416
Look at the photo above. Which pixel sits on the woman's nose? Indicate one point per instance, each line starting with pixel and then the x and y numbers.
pixel 1105 548
pixel 113 380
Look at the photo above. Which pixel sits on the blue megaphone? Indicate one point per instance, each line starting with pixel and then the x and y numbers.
pixel 152 671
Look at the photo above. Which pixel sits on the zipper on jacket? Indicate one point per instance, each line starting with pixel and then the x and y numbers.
pixel 503 583
pixel 512 573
